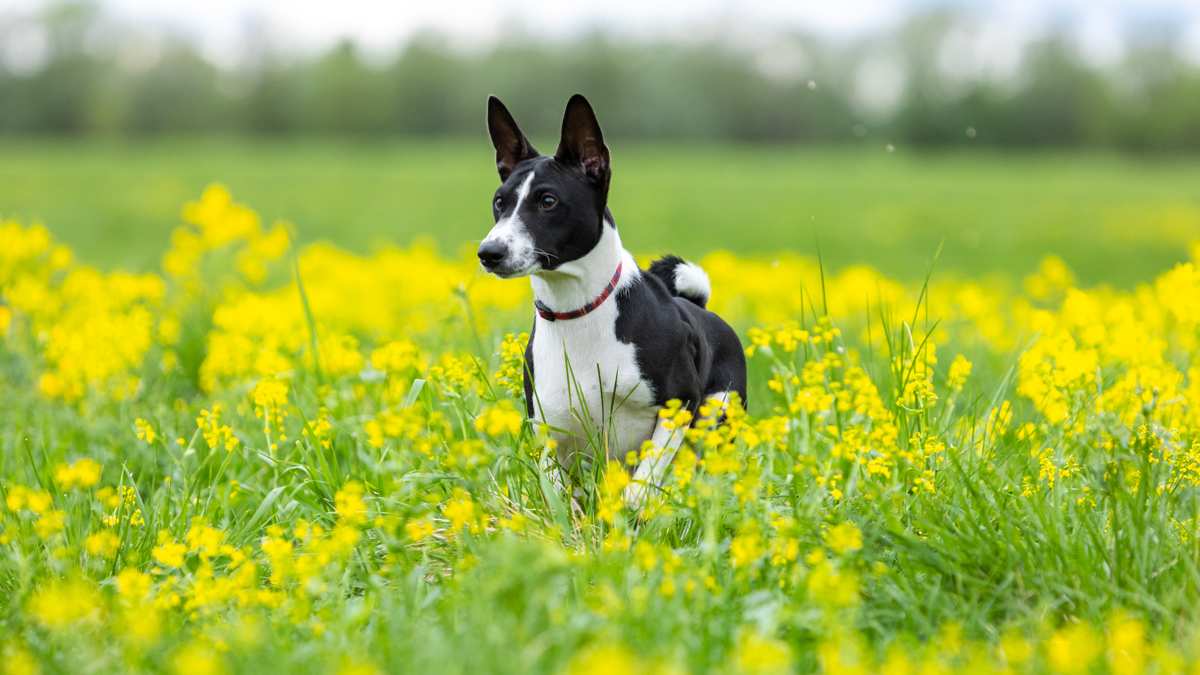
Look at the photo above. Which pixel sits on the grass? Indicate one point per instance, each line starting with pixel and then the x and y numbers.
pixel 262 456
pixel 1113 219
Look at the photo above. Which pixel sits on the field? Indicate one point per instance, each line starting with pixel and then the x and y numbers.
pixel 234 444
pixel 1112 219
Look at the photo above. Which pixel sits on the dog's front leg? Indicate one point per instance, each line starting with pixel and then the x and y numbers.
pixel 652 470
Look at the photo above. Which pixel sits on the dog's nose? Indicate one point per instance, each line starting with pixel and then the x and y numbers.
pixel 492 253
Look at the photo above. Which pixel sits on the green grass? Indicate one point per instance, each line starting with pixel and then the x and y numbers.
pixel 1113 219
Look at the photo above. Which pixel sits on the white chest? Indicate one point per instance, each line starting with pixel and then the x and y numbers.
pixel 588 387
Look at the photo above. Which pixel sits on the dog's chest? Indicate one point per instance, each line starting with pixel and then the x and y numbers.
pixel 588 387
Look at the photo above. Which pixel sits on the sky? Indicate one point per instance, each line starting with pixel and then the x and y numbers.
pixel 220 26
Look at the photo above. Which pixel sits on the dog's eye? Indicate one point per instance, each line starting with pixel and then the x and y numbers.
pixel 547 201
pixel 498 204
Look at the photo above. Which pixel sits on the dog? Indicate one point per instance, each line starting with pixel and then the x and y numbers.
pixel 611 344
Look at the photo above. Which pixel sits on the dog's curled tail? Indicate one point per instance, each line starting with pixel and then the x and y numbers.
pixel 685 279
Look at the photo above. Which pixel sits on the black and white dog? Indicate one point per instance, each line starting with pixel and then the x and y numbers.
pixel 611 343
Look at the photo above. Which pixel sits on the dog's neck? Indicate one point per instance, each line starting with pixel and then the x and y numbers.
pixel 575 283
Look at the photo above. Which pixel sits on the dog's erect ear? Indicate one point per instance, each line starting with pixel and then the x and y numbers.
pixel 582 143
pixel 512 147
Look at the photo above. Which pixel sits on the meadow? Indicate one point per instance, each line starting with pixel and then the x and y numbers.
pixel 1114 219
pixel 261 410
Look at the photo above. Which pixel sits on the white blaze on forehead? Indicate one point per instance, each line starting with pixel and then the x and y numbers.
pixel 510 229
pixel 523 191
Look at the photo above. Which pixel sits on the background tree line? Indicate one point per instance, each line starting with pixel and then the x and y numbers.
pixel 85 75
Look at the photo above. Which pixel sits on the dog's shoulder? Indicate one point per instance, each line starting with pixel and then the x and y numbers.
pixel 646 309
pixel 669 344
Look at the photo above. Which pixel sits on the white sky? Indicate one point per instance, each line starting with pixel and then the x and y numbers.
pixel 219 26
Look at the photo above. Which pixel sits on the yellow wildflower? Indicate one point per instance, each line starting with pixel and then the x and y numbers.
pixel 843 538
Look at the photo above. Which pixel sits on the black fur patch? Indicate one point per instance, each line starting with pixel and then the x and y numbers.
pixel 684 351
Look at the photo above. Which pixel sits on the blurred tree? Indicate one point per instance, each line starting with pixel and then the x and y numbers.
pixel 927 114
pixel 1160 101
pixel 58 96
pixel 85 74
pixel 274 99
pixel 179 93
pixel 1062 102
pixel 344 95
pixel 424 89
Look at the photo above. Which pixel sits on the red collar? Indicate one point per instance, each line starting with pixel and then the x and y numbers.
pixel 551 315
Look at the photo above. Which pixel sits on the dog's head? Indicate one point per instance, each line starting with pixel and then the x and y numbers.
pixel 548 210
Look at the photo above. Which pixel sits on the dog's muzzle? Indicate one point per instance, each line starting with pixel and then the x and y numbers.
pixel 492 254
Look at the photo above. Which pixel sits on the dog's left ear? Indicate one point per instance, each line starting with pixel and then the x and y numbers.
pixel 582 143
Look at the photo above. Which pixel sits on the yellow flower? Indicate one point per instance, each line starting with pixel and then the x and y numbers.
pixel 761 654
pixel 616 540
pixel 612 491
pixel 59 604
pixel 168 552
pixel 279 552
pixel 1072 649
pixel 82 473
pixel 349 503
pixel 216 434
pixel 674 415
pixel 358 667
pixel 1126 644
pixel 141 625
pixel 842 654
pixel 396 357
pixel 843 538
pixel 103 544
pixel 511 373
pixel 18 661
pixel 960 370
pixel 784 550
pixel 1015 648
pixel 500 419
pixel 645 555
pixel 605 659
pixel 144 430
pixel 516 522
pixel 50 523
pixel 16 498
pixel 340 355
pixel 832 587
pixel 746 548
pixel 270 396
pixel 1052 278
pixel 462 512
pixel 197 659
pixel 110 498
pixel 203 539
pixel 419 530
pixel 133 586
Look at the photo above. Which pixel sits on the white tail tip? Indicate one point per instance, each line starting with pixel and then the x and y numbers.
pixel 692 281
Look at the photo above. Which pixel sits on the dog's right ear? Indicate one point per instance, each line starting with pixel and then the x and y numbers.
pixel 512 147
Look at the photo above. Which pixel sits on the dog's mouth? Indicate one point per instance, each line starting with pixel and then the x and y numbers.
pixel 510 272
